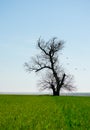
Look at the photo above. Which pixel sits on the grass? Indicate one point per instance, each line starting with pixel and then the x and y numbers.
pixel 44 112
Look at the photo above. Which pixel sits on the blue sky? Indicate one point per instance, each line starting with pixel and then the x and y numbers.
pixel 22 22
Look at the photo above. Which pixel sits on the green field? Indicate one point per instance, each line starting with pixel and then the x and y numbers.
pixel 44 112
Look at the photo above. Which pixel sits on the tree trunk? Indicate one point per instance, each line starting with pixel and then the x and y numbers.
pixel 55 93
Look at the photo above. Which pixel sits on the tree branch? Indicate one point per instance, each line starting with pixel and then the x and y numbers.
pixel 62 81
pixel 43 49
pixel 48 67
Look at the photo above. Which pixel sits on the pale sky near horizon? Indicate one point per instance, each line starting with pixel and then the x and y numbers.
pixel 22 22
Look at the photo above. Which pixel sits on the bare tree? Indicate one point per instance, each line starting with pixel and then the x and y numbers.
pixel 47 60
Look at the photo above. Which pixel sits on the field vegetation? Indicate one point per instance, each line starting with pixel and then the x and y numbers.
pixel 24 112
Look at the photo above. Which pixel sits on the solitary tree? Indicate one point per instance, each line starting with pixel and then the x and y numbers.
pixel 47 61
